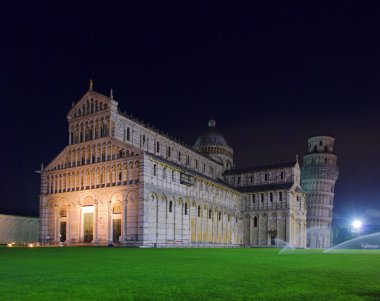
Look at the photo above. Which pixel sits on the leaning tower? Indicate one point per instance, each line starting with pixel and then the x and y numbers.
pixel 319 174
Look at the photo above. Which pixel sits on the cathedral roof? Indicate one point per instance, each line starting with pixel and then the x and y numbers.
pixel 192 172
pixel 211 137
pixel 266 187
pixel 237 171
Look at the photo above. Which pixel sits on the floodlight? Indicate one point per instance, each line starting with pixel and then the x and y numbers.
pixel 357 224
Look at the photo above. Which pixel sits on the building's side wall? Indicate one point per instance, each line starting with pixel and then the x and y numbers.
pixel 150 141
pixel 18 229
pixel 176 214
pixel 283 218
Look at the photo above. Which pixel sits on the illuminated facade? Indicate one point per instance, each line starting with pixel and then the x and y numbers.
pixel 119 180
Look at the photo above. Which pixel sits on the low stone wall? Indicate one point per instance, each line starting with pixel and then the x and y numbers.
pixel 18 229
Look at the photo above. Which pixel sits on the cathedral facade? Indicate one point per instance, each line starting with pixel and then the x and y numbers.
pixel 121 181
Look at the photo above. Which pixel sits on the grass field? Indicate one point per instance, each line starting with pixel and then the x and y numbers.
pixel 186 274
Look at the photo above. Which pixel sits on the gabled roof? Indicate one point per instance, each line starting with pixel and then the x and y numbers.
pixel 259 168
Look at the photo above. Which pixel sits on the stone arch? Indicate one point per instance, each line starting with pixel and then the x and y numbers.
pixel 116 207
pixel 52 203
pixel 87 200
pixel 117 197
pixel 132 196
pixel 153 196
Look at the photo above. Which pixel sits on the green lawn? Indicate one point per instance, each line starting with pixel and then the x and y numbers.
pixel 186 274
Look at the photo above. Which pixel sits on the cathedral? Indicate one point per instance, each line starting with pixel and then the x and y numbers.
pixel 120 181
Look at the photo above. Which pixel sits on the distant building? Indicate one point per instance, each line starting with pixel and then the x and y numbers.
pixel 122 181
pixel 18 229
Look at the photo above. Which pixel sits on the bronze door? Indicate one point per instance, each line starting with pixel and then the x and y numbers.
pixel 62 237
pixel 88 227
pixel 116 226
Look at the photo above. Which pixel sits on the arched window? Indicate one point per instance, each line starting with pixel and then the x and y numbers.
pixel 154 169
pixel 102 131
pixel 128 134
pixel 158 147
pixel 199 211
pixel 209 214
pixel 220 215
pixel 185 208
pixel 255 222
pixel 170 206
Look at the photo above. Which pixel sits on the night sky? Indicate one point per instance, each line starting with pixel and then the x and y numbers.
pixel 272 76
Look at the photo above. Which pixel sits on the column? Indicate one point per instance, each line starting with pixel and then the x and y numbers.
pixel 56 231
pixel 79 223
pixel 123 222
pixel 95 223
pixel 68 236
pixel 109 234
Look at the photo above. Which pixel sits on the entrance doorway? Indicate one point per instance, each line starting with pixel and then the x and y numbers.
pixel 88 227
pixel 116 227
pixel 273 240
pixel 62 232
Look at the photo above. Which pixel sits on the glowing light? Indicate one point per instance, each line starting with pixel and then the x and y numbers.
pixel 30 245
pixel 10 245
pixel 357 224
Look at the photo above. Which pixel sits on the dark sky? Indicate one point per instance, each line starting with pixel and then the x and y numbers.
pixel 272 75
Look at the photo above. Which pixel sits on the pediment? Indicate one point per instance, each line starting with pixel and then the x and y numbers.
pixel 90 103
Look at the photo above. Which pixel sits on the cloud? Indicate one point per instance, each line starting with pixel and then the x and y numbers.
pixel 372 213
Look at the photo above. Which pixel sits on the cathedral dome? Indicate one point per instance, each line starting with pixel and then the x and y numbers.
pixel 211 137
